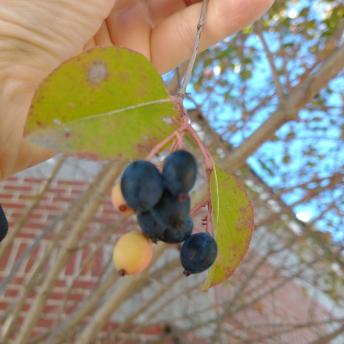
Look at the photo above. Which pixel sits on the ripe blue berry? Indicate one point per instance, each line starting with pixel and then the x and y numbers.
pixel 150 226
pixel 177 235
pixel 198 253
pixel 172 211
pixel 179 172
pixel 141 185
pixel 3 224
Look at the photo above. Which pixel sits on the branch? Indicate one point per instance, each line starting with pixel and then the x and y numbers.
pixel 328 338
pixel 68 326
pixel 98 189
pixel 153 299
pixel 270 57
pixel 336 179
pixel 23 219
pixel 200 27
pixel 174 85
pixel 102 316
pixel 288 110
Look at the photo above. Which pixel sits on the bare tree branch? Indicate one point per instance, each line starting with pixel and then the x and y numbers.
pixel 328 338
pixel 19 224
pixel 288 110
pixel 109 173
pixel 115 300
pixel 270 57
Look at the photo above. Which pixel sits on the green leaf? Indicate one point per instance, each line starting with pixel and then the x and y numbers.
pixel 232 216
pixel 108 102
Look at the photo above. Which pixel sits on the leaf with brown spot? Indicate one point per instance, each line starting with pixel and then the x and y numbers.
pixel 107 102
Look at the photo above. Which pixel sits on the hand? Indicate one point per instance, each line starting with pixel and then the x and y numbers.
pixel 36 36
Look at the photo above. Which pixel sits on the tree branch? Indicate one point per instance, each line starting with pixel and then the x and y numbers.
pixel 270 58
pixel 288 110
pixel 328 338
pixel 29 210
pixel 107 176
pixel 104 313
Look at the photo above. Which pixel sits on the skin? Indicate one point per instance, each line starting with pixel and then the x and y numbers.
pixel 36 36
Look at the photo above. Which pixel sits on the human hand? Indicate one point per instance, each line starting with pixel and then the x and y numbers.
pixel 36 36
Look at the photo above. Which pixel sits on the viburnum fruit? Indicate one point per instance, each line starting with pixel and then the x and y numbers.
pixel 198 253
pixel 171 210
pixel 179 234
pixel 179 172
pixel 150 226
pixel 3 224
pixel 162 204
pixel 119 202
pixel 132 253
pixel 141 185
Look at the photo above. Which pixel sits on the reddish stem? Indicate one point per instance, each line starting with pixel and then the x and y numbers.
pixel 160 145
pixel 199 206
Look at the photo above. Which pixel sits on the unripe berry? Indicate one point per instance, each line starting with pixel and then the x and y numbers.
pixel 119 202
pixel 132 253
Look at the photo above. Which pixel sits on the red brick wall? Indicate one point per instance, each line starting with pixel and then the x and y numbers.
pixel 76 281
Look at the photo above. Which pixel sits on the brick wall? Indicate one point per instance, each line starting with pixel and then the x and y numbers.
pixel 83 270
pixel 76 281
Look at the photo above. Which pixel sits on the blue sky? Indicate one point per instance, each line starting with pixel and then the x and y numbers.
pixel 316 130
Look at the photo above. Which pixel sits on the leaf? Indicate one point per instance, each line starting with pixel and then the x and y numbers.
pixel 232 217
pixel 108 102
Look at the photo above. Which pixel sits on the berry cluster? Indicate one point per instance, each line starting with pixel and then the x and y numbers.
pixel 162 203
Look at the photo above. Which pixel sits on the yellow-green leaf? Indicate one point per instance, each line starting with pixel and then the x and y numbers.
pixel 232 215
pixel 108 102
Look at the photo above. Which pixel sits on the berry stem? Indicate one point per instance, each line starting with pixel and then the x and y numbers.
pixel 208 161
pixel 209 224
pixel 157 148
pixel 199 206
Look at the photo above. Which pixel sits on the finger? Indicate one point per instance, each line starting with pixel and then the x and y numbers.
pixel 15 100
pixel 131 22
pixel 30 155
pixel 130 27
pixel 172 40
pixel 102 37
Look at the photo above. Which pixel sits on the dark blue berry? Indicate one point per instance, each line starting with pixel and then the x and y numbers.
pixel 179 172
pixel 171 210
pixel 150 226
pixel 141 185
pixel 198 253
pixel 177 235
pixel 3 224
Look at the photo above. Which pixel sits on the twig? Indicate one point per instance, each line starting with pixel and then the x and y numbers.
pixel 18 226
pixel 107 176
pixel 112 303
pixel 155 297
pixel 200 27
pixel 271 61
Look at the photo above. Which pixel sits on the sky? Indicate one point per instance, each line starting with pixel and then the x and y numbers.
pixel 315 130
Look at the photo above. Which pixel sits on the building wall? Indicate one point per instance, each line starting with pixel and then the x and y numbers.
pixel 77 280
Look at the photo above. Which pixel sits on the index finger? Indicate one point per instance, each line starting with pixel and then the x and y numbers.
pixel 172 40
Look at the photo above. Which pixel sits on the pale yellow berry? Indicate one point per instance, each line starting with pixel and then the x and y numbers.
pixel 132 253
pixel 118 201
